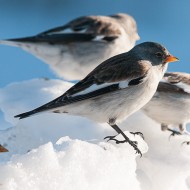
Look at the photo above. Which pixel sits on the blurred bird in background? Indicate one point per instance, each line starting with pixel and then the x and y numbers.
pixel 76 48
pixel 171 103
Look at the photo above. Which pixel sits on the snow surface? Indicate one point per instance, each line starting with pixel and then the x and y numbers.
pixel 57 151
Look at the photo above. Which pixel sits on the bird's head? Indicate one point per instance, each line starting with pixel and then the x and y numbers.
pixel 155 53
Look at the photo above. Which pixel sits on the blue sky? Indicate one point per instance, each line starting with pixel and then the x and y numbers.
pixel 163 21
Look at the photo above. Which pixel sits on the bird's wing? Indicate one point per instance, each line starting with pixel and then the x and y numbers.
pixel 96 29
pixel 179 80
pixel 87 28
pixel 97 25
pixel 52 39
pixel 114 74
pixel 176 77
pixel 170 88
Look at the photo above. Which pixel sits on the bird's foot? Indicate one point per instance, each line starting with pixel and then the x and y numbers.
pixel 132 143
pixel 174 133
pixel 186 142
pixel 112 138
pixel 138 133
pixel 109 138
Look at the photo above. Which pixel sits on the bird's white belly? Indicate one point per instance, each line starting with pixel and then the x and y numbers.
pixel 168 109
pixel 74 61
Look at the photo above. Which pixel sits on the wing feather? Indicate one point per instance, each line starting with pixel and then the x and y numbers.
pixel 176 77
pixel 97 25
pixel 56 38
pixel 114 70
pixel 177 82
pixel 167 87
pixel 84 29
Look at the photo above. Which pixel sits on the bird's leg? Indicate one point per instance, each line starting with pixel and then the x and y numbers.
pixel 164 127
pixel 181 127
pixel 112 121
pixel 119 131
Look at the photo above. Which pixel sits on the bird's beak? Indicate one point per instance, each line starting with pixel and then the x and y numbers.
pixel 171 58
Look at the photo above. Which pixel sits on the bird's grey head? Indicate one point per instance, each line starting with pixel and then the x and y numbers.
pixel 154 53
pixel 129 24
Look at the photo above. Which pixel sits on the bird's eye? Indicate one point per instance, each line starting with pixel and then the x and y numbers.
pixel 159 54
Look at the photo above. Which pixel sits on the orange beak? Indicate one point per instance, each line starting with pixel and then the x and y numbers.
pixel 171 58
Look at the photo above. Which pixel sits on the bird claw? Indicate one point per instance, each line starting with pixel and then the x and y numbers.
pixel 138 133
pixel 138 152
pixel 174 133
pixel 120 142
pixel 110 138
pixel 132 143
pixel 186 142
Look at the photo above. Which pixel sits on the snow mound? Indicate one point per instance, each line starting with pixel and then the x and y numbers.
pixel 69 165
pixel 57 151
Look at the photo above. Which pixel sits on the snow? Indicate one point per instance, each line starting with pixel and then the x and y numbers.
pixel 57 151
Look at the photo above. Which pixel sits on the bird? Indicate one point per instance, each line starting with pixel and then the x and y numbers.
pixel 115 89
pixel 170 105
pixel 3 149
pixel 76 48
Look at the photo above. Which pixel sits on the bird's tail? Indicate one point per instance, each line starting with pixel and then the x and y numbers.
pixel 20 41
pixel 10 43
pixel 26 114
pixel 43 108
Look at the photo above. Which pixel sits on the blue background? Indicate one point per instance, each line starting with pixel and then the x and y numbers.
pixel 164 21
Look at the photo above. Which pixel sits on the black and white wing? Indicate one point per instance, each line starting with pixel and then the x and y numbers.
pixel 176 82
pixel 177 77
pixel 114 74
pixel 83 29
pixel 100 28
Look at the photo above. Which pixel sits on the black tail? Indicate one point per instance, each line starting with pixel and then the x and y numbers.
pixel 54 39
pixel 26 114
